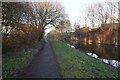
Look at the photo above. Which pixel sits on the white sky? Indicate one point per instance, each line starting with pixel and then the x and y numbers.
pixel 75 8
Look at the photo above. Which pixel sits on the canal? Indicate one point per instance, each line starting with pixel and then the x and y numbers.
pixel 108 54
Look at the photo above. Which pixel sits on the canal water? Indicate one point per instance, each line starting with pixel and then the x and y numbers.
pixel 108 54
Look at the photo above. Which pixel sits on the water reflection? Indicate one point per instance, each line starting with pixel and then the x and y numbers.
pixel 105 53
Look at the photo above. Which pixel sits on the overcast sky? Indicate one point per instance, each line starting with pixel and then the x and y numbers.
pixel 75 8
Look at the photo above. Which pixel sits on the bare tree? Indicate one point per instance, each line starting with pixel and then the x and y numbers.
pixel 91 15
pixel 11 13
pixel 112 11
pixel 101 13
pixel 48 13
pixel 37 14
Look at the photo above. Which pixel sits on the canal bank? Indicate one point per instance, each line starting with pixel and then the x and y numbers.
pixel 102 61
pixel 108 54
pixel 76 65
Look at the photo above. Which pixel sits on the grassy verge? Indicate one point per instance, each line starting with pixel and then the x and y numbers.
pixel 76 65
pixel 13 64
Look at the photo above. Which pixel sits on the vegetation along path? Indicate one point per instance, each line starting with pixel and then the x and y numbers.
pixel 44 66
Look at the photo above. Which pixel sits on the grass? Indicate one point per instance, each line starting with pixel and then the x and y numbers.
pixel 13 64
pixel 75 65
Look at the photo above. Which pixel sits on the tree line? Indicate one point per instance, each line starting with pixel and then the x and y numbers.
pixel 100 13
pixel 25 22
